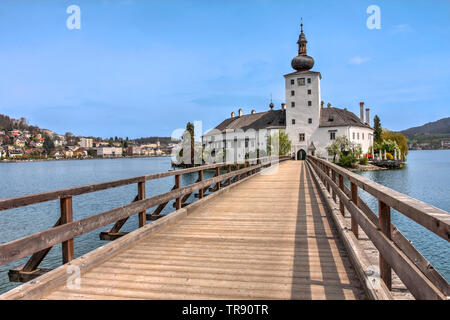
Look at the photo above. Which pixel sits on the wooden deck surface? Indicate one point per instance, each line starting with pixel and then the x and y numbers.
pixel 267 238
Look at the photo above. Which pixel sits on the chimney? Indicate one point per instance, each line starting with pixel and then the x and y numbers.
pixel 368 116
pixel 283 106
pixel 361 111
pixel 328 105
pixel 232 114
pixel 240 112
pixel 321 104
pixel 253 111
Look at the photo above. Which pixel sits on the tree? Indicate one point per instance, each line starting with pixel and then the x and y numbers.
pixel 347 151
pixel 400 139
pixel 282 139
pixel 48 145
pixel 190 128
pixel 377 130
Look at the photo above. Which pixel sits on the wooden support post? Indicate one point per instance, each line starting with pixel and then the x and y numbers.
pixel 341 186
pixel 384 217
pixel 333 177
pixel 68 252
pixel 354 191
pixel 229 170
pixel 200 178
pixel 177 186
pixel 141 196
pixel 217 174
pixel 327 171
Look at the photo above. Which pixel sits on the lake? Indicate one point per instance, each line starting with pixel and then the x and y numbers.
pixel 425 177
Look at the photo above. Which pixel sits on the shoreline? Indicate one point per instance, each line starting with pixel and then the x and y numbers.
pixel 78 159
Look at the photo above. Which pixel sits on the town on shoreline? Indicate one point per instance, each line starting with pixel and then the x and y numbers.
pixel 34 144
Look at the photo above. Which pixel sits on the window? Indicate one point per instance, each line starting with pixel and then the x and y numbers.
pixel 309 103
pixel 309 80
pixel 353 136
pixel 309 91
pixel 332 135
pixel 301 81
pixel 301 137
pixel 292 93
pixel 362 135
pixel 292 104
pixel 292 81
pixel 293 121
pixel 357 135
pixel 310 120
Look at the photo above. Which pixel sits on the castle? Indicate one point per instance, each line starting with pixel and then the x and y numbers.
pixel 310 126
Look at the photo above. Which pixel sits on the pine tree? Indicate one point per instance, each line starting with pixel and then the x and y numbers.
pixel 377 129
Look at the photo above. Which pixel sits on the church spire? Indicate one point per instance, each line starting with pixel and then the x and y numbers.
pixel 302 62
pixel 302 41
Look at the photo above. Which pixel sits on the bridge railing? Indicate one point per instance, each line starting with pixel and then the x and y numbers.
pixel 395 250
pixel 38 245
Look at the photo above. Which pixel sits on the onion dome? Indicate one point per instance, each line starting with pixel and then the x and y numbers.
pixel 302 62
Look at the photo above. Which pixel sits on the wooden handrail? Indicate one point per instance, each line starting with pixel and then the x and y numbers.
pixel 394 253
pixel 22 201
pixel 25 246
pixel 434 219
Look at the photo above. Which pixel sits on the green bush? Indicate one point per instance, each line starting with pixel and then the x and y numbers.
pixel 363 161
pixel 347 161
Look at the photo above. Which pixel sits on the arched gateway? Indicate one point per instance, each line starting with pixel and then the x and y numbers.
pixel 301 154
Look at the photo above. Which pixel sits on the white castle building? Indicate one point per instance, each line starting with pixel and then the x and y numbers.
pixel 311 127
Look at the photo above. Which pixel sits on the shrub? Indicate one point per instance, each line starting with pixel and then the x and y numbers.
pixel 363 161
pixel 347 161
pixel 389 156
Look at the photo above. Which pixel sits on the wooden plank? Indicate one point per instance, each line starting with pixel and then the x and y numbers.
pixel 68 251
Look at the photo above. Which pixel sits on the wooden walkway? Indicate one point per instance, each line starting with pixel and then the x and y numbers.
pixel 269 237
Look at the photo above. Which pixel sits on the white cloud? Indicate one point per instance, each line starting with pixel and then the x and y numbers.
pixel 358 60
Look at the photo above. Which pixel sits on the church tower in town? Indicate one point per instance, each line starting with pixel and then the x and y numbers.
pixel 303 101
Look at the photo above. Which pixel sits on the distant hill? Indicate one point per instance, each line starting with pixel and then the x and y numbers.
pixel 430 135
pixel 441 126
pixel 150 140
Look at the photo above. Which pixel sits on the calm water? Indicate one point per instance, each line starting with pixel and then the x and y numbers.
pixel 425 177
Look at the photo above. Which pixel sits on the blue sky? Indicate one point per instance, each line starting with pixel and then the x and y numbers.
pixel 143 68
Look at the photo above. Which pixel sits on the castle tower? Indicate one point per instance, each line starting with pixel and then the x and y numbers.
pixel 302 99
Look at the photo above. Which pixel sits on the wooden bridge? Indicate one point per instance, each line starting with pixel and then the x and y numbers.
pixel 261 230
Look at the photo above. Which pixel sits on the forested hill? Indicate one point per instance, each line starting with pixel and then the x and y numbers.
pixel 441 126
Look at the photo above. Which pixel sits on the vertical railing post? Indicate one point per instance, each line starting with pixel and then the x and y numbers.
pixel 68 251
pixel 218 174
pixel 341 186
pixel 177 186
pixel 200 178
pixel 141 196
pixel 229 170
pixel 327 171
pixel 384 217
pixel 354 191
pixel 258 162
pixel 333 177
